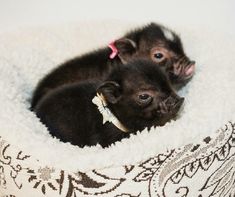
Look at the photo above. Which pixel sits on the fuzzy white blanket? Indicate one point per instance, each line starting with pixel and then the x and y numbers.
pixel 27 55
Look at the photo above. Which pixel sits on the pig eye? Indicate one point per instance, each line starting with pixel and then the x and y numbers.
pixel 144 99
pixel 158 56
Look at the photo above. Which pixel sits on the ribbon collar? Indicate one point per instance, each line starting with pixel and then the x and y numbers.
pixel 108 116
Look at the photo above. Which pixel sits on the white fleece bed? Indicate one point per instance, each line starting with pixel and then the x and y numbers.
pixel 193 156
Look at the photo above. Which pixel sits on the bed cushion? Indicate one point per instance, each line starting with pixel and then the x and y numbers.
pixel 192 156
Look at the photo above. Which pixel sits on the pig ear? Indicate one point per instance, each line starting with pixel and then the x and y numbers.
pixel 110 90
pixel 126 48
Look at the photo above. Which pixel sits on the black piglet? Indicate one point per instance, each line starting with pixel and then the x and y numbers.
pixel 152 42
pixel 131 98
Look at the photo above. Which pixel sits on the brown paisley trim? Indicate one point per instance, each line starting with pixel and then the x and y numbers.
pixel 145 175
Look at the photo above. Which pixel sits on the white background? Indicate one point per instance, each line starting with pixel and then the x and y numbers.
pixel 218 13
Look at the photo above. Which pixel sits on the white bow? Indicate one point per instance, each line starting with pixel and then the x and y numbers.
pixel 108 116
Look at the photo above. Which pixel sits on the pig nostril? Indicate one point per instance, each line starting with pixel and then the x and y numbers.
pixel 174 100
pixel 170 101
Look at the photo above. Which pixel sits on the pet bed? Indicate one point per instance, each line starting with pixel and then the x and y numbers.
pixel 193 156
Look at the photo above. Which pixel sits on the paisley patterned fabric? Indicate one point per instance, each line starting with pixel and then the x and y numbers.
pixel 203 170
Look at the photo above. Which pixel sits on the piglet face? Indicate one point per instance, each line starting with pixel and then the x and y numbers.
pixel 141 96
pixel 171 58
pixel 157 107
pixel 161 45
pixel 178 67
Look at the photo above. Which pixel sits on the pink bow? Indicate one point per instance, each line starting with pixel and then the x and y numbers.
pixel 114 50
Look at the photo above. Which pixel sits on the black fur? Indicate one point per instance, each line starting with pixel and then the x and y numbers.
pixel 138 94
pixel 140 43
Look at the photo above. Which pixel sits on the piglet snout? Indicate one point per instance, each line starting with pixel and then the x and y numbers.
pixel 190 69
pixel 171 105
pixel 178 104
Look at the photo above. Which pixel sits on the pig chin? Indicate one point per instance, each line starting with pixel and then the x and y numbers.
pixel 161 121
pixel 178 81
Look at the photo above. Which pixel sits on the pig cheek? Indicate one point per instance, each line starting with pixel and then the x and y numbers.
pixel 148 113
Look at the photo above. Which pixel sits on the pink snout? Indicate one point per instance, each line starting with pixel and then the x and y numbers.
pixel 190 69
